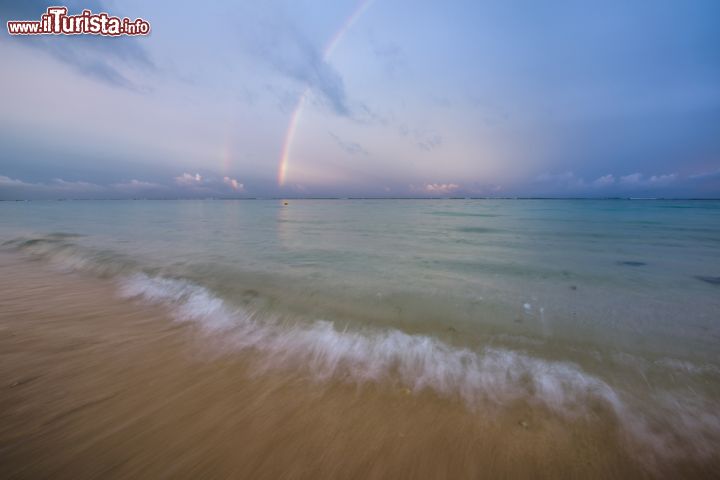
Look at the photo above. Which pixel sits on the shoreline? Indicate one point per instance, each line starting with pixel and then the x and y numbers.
pixel 94 385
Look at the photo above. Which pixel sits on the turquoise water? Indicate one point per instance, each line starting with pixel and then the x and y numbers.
pixel 488 300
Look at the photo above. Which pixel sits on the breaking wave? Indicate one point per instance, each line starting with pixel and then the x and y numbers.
pixel 416 361
pixel 661 423
pixel 675 426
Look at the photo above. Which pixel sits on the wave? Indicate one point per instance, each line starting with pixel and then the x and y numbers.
pixel 58 249
pixel 661 423
pixel 416 361
pixel 672 425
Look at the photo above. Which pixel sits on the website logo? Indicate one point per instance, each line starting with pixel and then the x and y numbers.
pixel 56 21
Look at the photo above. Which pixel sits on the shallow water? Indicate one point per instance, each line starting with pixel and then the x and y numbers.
pixel 595 315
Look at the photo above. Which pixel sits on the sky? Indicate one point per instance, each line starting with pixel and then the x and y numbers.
pixel 380 98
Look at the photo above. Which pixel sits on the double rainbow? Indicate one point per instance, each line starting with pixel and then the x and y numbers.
pixel 295 117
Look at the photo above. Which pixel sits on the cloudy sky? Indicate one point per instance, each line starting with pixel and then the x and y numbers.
pixel 371 98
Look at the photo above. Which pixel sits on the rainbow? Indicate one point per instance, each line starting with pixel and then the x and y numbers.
pixel 296 114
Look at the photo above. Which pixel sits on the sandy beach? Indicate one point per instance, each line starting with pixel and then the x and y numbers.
pixel 360 239
pixel 94 386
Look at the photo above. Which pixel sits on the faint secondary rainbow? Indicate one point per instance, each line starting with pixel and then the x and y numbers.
pixel 295 117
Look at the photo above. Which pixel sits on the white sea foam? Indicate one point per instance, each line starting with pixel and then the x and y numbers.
pixel 418 361
pixel 688 425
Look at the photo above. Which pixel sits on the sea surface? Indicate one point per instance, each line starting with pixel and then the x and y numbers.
pixel 603 311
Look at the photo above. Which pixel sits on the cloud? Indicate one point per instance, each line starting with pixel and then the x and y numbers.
pixel 430 142
pixel 234 184
pixel 186 185
pixel 135 185
pixel 662 179
pixel 570 181
pixel 13 188
pixel 11 182
pixel 424 139
pixel 604 181
pixel 54 184
pixel 108 60
pixel 436 188
pixel 189 180
pixel 632 179
pixel 352 148
pixel 390 55
pixel 75 186
pixel 711 175
pixel 291 54
pixel 639 180
pixel 207 184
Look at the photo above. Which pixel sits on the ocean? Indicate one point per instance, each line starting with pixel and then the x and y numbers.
pixel 593 324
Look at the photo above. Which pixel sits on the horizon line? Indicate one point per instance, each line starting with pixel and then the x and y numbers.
pixel 106 199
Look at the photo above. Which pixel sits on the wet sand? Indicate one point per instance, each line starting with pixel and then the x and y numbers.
pixel 95 386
